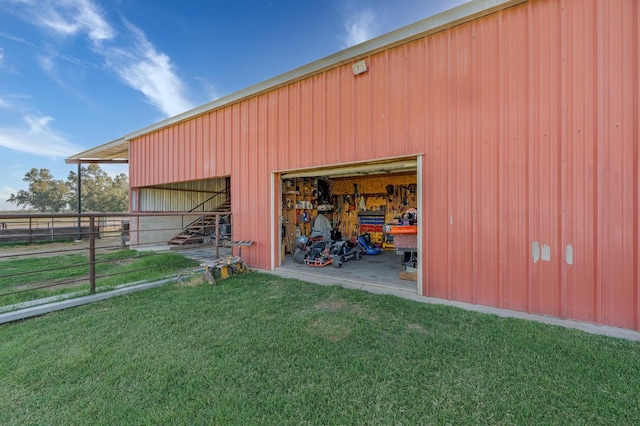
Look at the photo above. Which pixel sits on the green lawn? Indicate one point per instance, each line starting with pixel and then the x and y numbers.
pixel 28 278
pixel 259 349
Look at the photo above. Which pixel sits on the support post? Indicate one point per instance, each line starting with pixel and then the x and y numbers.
pixel 217 240
pixel 79 236
pixel 92 255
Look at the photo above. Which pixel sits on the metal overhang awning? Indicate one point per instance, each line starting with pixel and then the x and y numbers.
pixel 114 152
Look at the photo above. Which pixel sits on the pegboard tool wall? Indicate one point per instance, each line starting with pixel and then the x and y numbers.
pixel 374 191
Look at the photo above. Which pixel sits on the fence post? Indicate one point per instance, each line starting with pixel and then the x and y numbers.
pixel 92 255
pixel 79 192
pixel 217 231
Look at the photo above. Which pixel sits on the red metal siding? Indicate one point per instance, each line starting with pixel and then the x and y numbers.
pixel 579 193
pixel 527 122
pixel 545 162
pixel 514 168
pixel 332 112
pixel 460 167
pixel 434 212
pixel 617 162
pixel 376 131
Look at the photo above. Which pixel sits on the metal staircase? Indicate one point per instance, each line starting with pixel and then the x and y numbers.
pixel 202 230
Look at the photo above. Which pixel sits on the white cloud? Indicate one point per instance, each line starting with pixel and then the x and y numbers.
pixel 12 101
pixel 359 28
pixel 47 64
pixel 38 138
pixel 210 89
pixel 131 56
pixel 149 71
pixel 70 17
pixel 4 64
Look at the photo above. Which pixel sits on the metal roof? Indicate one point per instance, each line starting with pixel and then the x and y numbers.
pixel 117 150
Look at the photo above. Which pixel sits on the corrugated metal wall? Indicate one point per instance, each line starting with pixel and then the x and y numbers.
pixel 528 122
pixel 183 196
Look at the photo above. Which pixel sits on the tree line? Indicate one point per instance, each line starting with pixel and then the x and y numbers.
pixel 99 191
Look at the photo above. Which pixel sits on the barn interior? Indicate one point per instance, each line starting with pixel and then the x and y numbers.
pixel 358 223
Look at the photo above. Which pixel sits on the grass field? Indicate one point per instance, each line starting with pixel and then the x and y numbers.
pixel 259 349
pixel 34 278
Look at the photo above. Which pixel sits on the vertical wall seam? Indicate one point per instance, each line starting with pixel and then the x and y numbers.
pixel 474 165
pixel 597 160
pixel 405 141
pixel 636 178
pixel 563 164
pixel 323 142
pixel 530 143
pixel 501 146
pixel 449 160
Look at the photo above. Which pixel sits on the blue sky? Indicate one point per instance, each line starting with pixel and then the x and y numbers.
pixel 78 73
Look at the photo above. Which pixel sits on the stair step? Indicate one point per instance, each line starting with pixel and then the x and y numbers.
pixel 192 233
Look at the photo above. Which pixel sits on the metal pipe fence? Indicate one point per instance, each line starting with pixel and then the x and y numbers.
pixel 66 253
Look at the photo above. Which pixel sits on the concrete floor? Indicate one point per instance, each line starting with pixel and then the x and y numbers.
pixel 378 270
pixel 381 270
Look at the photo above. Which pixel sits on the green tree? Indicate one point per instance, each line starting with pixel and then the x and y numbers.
pixel 100 192
pixel 45 194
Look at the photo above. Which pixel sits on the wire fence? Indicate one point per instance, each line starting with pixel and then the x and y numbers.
pixel 59 254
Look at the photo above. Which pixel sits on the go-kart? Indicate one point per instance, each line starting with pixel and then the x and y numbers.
pixel 317 254
pixel 344 251
pixel 303 245
pixel 364 241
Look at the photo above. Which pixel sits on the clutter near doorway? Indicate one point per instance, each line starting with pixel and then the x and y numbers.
pixel 223 267
pixel 405 241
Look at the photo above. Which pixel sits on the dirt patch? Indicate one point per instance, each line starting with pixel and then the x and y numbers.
pixel 332 305
pixel 417 328
pixel 192 282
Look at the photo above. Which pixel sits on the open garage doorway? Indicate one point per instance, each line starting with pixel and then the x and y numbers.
pixel 371 208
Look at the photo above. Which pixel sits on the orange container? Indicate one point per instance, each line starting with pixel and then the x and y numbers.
pixel 403 229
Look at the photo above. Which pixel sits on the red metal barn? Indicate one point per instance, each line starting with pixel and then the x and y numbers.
pixel 517 120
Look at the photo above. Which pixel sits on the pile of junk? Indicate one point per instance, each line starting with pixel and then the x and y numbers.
pixel 326 246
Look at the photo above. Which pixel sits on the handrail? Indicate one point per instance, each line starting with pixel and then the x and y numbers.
pixel 224 191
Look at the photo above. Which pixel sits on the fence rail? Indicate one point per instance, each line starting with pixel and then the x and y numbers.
pixel 82 243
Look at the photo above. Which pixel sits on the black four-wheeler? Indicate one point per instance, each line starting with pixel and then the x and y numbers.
pixel 344 251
